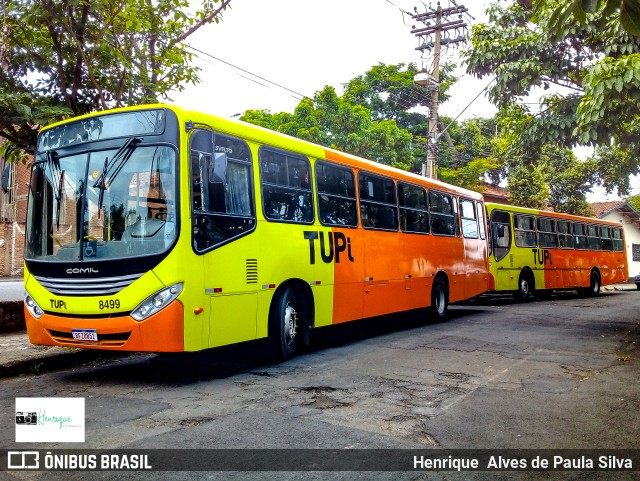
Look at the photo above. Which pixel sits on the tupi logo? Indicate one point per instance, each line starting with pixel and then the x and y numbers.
pixel 541 256
pixel 337 243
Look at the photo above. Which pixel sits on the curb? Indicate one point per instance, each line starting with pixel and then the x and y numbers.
pixel 56 361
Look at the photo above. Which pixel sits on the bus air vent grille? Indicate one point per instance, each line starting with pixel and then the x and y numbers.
pixel 98 286
pixel 252 271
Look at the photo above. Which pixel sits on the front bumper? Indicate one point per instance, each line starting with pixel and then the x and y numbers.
pixel 162 332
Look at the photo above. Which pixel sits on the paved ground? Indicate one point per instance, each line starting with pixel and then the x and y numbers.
pixel 562 373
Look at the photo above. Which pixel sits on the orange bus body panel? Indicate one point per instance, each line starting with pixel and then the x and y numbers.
pixel 162 332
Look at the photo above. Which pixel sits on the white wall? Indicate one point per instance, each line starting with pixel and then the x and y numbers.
pixel 631 236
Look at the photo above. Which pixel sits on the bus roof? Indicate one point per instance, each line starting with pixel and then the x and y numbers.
pixel 546 213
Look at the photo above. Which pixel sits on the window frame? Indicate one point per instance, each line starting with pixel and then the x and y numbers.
pixel 517 229
pixel 402 208
pixel 292 155
pixel 510 237
pixel 453 215
pixel 582 236
pixel 321 163
pixel 542 233
pixel 597 237
pixel 565 235
pixel 475 218
pixel 618 242
pixel 362 175
pixel 211 214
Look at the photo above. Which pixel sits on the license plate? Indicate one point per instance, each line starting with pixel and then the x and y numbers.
pixel 85 334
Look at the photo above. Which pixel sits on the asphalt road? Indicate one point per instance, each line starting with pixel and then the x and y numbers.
pixel 560 373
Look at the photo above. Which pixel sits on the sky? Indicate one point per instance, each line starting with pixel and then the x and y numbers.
pixel 304 46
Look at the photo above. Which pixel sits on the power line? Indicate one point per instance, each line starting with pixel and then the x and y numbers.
pixel 297 94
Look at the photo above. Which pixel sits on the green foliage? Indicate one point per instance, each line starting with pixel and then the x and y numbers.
pixel 634 201
pixel 333 121
pixel 468 176
pixel 73 57
pixel 614 166
pixel 527 186
pixel 624 12
pixel 583 52
pixel 568 179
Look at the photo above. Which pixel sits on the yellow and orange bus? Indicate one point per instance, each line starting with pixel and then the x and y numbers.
pixel 156 229
pixel 536 251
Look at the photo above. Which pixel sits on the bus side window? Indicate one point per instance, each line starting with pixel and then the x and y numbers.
pixel 618 240
pixel 414 214
pixel 336 195
pixel 593 237
pixel 222 189
pixel 378 208
pixel 580 236
pixel 286 186
pixel 547 232
pixel 564 234
pixel 524 227
pixel 469 222
pixel 443 214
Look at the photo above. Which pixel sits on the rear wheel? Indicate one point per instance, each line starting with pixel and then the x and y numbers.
pixel 594 284
pixel 285 322
pixel 439 299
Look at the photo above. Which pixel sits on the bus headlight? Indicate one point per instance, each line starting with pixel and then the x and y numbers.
pixel 156 302
pixel 32 306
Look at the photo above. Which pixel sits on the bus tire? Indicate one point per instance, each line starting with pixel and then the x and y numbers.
pixel 526 285
pixel 439 299
pixel 286 323
pixel 594 284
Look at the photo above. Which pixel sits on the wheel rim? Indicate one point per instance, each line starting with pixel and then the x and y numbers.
pixel 290 324
pixel 524 287
pixel 596 284
pixel 440 300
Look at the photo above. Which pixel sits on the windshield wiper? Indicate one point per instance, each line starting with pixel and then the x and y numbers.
pixel 113 167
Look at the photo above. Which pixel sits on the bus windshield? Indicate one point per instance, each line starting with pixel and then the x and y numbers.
pixel 102 204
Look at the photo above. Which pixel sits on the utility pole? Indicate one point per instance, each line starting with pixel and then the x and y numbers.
pixel 436 34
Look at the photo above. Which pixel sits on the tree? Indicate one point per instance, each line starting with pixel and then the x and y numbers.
pixel 527 186
pixel 568 179
pixel 627 12
pixel 69 57
pixel 390 93
pixel 591 68
pixel 333 121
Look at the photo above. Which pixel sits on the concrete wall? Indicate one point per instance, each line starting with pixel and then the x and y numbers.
pixel 631 236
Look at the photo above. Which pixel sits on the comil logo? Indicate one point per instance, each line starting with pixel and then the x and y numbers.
pixel 50 420
pixel 83 270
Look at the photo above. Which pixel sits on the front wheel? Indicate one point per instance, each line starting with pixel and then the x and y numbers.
pixel 439 299
pixel 285 321
pixel 525 286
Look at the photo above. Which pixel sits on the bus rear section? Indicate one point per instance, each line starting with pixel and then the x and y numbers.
pixel 537 252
